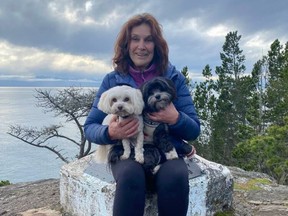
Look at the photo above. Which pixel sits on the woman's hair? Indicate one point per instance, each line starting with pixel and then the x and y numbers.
pixel 121 59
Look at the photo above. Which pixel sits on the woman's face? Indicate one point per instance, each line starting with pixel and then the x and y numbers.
pixel 141 46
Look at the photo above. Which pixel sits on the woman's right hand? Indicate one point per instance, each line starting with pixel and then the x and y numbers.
pixel 122 130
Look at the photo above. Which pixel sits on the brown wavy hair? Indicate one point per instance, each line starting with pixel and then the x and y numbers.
pixel 121 59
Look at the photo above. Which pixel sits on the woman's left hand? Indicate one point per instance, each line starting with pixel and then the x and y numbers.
pixel 168 115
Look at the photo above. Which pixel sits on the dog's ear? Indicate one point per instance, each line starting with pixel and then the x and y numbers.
pixel 171 88
pixel 138 101
pixel 104 102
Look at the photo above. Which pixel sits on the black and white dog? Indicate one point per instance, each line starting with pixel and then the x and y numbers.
pixel 158 93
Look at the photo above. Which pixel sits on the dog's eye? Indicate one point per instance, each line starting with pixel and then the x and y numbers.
pixel 126 99
pixel 114 100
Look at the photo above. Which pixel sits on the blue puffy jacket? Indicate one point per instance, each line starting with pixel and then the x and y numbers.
pixel 187 127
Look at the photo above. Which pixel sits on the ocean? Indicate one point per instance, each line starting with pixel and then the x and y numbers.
pixel 19 161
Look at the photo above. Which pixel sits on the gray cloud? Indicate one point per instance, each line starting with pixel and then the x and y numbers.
pixel 86 31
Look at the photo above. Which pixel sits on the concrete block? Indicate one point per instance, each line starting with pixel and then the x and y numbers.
pixel 88 188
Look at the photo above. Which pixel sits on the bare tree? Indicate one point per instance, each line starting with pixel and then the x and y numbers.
pixel 72 104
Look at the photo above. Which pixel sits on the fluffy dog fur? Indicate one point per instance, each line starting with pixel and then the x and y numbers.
pixel 123 101
pixel 158 93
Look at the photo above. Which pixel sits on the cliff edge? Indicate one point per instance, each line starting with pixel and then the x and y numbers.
pixel 254 194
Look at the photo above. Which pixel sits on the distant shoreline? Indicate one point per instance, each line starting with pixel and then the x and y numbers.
pixel 33 87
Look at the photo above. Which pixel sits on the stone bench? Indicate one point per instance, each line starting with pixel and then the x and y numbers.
pixel 87 188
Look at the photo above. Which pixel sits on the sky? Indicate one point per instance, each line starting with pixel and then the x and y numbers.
pixel 71 42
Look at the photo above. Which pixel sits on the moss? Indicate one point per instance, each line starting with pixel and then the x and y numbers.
pixel 225 213
pixel 252 184
pixel 5 182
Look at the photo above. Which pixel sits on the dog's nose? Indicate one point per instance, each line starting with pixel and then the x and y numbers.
pixel 120 107
pixel 158 96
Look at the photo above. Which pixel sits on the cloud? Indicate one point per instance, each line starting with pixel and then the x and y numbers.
pixel 72 38
pixel 218 31
pixel 27 60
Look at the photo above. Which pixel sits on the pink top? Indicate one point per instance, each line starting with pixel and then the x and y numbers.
pixel 142 76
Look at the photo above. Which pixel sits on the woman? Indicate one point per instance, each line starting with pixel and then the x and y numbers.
pixel 141 53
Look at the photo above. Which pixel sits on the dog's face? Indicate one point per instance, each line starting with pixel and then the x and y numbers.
pixel 122 101
pixel 158 93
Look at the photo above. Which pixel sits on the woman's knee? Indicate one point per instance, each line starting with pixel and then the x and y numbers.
pixel 172 175
pixel 129 173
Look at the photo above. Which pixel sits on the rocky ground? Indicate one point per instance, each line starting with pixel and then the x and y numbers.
pixel 254 194
pixel 37 198
pixel 258 195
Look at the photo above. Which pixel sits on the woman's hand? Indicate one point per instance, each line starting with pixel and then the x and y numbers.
pixel 124 129
pixel 168 115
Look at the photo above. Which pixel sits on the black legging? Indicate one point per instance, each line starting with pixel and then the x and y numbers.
pixel 171 185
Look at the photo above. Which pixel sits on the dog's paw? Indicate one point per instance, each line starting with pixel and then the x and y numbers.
pixel 155 170
pixel 139 158
pixel 171 155
pixel 124 156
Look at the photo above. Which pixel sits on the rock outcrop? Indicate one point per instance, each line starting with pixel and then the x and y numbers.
pixel 258 194
pixel 39 196
pixel 88 188
pixel 255 194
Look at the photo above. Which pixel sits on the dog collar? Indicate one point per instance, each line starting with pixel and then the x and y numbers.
pixel 148 121
pixel 189 155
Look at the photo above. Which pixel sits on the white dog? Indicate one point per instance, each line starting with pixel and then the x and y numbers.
pixel 123 101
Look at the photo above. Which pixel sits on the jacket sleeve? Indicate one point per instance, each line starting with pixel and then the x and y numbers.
pixel 188 125
pixel 93 128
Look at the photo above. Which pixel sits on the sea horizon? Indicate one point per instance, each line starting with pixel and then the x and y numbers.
pixel 50 83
